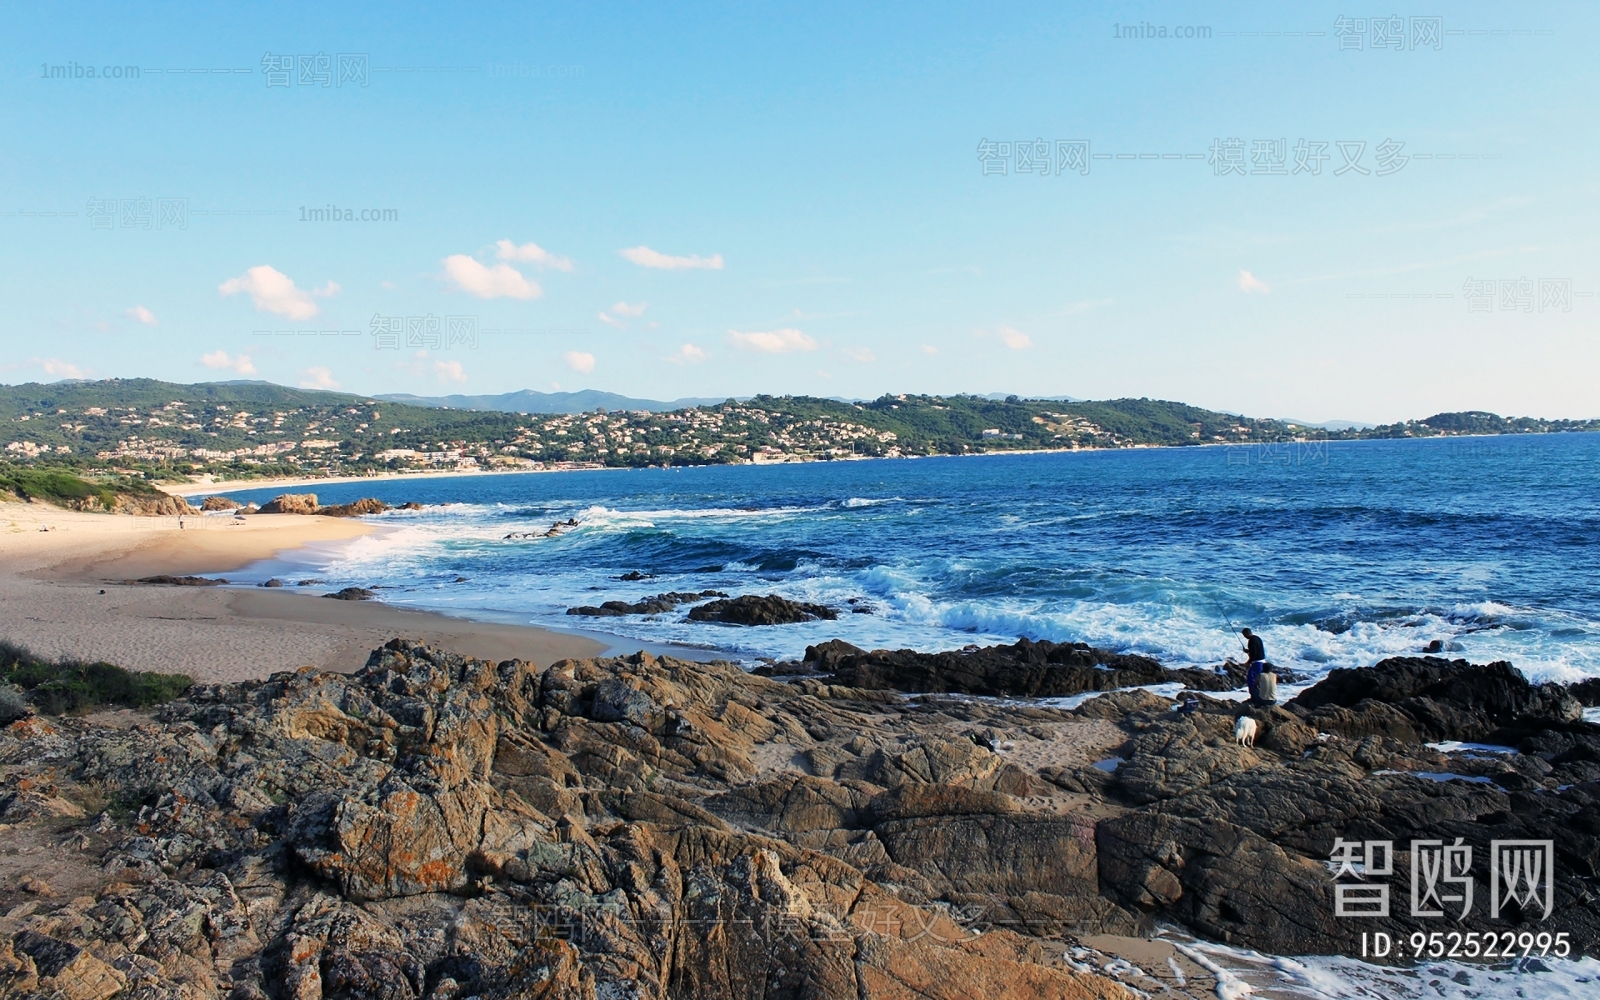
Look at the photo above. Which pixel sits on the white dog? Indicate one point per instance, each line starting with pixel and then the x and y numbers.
pixel 1244 731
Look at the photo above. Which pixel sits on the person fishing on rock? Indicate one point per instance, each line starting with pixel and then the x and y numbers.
pixel 1255 655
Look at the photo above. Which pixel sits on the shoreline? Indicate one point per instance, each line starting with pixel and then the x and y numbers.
pixel 223 487
pixel 62 594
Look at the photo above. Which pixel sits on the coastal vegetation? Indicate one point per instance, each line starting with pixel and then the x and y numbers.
pixel 80 436
pixel 69 686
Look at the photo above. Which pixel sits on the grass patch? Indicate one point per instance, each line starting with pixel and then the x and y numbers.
pixel 61 687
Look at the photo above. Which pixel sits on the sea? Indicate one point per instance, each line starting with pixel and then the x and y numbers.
pixel 1337 553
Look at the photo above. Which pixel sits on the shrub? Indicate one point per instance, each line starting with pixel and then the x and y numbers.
pixel 65 686
pixel 53 486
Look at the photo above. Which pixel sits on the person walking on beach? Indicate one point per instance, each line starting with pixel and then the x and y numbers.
pixel 1255 654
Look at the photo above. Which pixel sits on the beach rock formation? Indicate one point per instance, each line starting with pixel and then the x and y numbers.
pixel 656 605
pixel 1028 668
pixel 432 826
pixel 366 505
pixel 1432 699
pixel 753 610
pixel 151 505
pixel 306 503
pixel 220 503
pixel 352 594
pixel 291 503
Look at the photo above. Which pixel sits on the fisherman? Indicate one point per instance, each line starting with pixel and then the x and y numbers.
pixel 1255 655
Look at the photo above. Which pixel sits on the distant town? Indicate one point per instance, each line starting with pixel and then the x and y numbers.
pixel 158 430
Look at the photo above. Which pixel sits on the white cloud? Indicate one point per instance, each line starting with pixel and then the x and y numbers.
pixel 59 368
pixel 388 286
pixel 449 371
pixel 688 354
pixel 142 314
pixel 861 354
pixel 1014 338
pixel 327 291
pixel 272 291
pixel 784 341
pixel 646 257
pixel 499 281
pixel 1250 283
pixel 579 361
pixel 623 309
pixel 531 253
pixel 929 349
pixel 317 377
pixel 220 359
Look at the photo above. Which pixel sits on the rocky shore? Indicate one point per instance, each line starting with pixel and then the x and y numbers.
pixel 433 826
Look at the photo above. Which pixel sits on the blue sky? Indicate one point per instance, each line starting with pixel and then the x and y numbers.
pixel 729 199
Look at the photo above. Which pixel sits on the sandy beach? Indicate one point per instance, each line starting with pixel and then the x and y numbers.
pixel 61 595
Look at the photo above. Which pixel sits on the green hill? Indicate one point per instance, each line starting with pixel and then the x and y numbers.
pixel 118 432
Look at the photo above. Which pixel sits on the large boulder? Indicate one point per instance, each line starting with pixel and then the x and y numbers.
pixel 291 503
pixel 1427 698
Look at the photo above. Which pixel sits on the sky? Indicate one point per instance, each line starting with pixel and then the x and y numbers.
pixel 1270 210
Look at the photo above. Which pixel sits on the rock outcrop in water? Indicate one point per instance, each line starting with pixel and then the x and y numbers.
pixel 754 610
pixel 638 827
pixel 306 503
pixel 656 605
pixel 1028 668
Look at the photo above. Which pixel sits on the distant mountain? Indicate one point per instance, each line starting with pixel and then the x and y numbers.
pixel 589 400
pixel 1332 425
pixel 1001 396
pixel 529 401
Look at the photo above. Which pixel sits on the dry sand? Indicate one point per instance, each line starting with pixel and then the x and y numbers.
pixel 51 598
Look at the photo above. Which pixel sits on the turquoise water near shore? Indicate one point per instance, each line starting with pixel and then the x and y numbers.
pixel 1338 553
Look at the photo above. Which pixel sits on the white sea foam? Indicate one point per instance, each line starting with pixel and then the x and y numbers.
pixel 968 583
pixel 1322 977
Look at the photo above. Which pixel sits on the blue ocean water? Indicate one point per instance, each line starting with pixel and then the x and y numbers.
pixel 1337 553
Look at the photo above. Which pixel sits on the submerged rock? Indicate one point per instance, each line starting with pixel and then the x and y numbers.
pixel 659 604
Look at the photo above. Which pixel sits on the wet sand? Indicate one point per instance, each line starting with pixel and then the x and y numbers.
pixel 51 599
